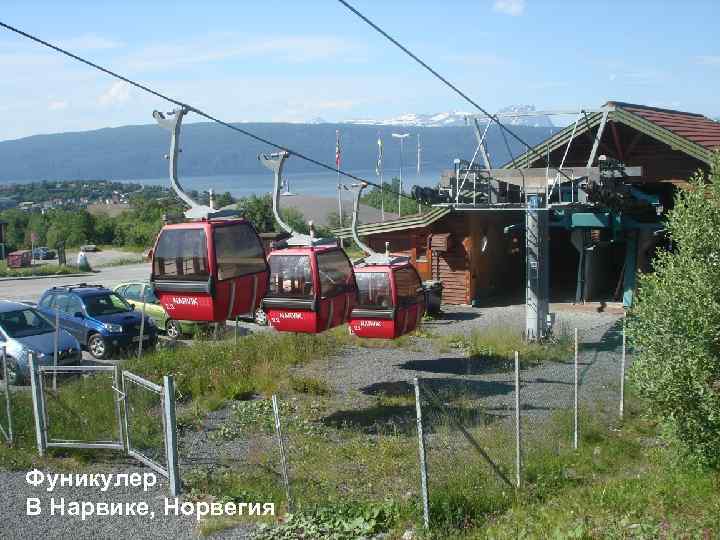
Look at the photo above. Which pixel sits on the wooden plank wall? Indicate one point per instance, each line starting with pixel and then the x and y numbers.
pixel 451 267
pixel 465 270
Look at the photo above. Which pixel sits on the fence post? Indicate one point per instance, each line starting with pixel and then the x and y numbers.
pixel 622 371
pixel 575 404
pixel 236 329
pixel 8 404
pixel 518 448
pixel 56 347
pixel 118 397
pixel 423 460
pixel 142 322
pixel 281 446
pixel 38 408
pixel 171 436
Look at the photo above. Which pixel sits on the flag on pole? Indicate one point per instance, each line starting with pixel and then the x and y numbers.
pixel 337 148
pixel 378 167
pixel 419 153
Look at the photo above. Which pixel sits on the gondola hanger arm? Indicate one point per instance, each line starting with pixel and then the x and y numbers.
pixel 275 162
pixel 173 122
pixel 373 257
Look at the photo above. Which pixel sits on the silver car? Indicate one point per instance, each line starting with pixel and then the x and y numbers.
pixel 22 330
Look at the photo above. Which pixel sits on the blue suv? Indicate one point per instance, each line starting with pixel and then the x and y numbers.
pixel 99 319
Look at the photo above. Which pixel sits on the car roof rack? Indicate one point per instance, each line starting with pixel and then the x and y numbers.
pixel 79 286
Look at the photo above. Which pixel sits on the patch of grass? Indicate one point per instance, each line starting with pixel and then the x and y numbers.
pixel 257 364
pixel 40 270
pixel 342 521
pixel 500 344
pixel 309 385
pixel 407 341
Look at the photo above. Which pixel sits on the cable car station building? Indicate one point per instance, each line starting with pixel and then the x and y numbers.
pixel 611 176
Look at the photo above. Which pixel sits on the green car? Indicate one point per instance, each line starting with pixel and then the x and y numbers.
pixel 133 291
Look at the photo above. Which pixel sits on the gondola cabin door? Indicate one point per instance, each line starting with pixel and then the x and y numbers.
pixel 209 270
pixel 391 301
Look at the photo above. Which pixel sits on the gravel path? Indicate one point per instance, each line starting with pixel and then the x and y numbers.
pixel 360 374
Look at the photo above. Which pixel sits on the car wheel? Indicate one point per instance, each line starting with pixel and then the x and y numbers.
pixel 98 347
pixel 172 329
pixel 13 373
pixel 261 317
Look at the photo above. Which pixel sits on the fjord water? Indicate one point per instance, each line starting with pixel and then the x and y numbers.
pixel 322 183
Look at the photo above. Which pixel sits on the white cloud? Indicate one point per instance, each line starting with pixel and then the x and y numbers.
pixel 510 7
pixel 119 92
pixel 57 105
pixel 89 42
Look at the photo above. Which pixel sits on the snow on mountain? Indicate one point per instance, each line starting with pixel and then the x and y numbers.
pixel 514 115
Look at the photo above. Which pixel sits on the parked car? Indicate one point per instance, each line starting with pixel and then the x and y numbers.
pixel 101 320
pixel 132 291
pixel 43 253
pixel 23 329
pixel 89 248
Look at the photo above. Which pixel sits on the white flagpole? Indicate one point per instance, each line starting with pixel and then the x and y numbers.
pixel 339 186
pixel 419 161
pixel 380 173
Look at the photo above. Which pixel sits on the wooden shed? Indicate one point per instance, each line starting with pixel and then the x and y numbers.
pixel 467 250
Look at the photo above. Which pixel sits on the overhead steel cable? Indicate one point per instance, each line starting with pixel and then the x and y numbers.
pixel 459 92
pixel 199 112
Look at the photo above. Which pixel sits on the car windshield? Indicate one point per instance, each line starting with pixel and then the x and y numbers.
pixel 24 323
pixel 105 304
pixel 151 297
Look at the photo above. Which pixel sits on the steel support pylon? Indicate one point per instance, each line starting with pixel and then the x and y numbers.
pixel 537 241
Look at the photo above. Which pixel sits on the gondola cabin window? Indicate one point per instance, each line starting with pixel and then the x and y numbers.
pixel 409 288
pixel 374 289
pixel 181 254
pixel 336 273
pixel 238 251
pixel 291 276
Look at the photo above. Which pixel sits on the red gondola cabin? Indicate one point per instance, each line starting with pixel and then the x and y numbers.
pixel 312 289
pixel 391 299
pixel 209 270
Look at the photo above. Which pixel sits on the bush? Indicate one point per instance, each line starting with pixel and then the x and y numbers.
pixel 675 323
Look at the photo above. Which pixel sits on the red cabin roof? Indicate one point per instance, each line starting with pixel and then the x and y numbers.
pixel 692 126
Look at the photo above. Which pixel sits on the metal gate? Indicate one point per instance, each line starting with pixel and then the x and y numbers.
pixel 48 405
pixel 6 427
pixel 140 413
pixel 150 430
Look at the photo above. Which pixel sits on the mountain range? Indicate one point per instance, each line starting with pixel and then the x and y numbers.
pixel 136 152
pixel 526 115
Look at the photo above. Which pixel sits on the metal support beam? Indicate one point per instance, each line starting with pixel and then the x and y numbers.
pixel 629 277
pixel 537 275
pixel 598 137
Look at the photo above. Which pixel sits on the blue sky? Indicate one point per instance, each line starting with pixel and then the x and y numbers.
pixel 283 60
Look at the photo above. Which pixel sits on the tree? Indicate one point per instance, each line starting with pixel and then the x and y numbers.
pixel 388 197
pixel 75 227
pixel 17 221
pixel 294 218
pixel 675 323
pixel 257 210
